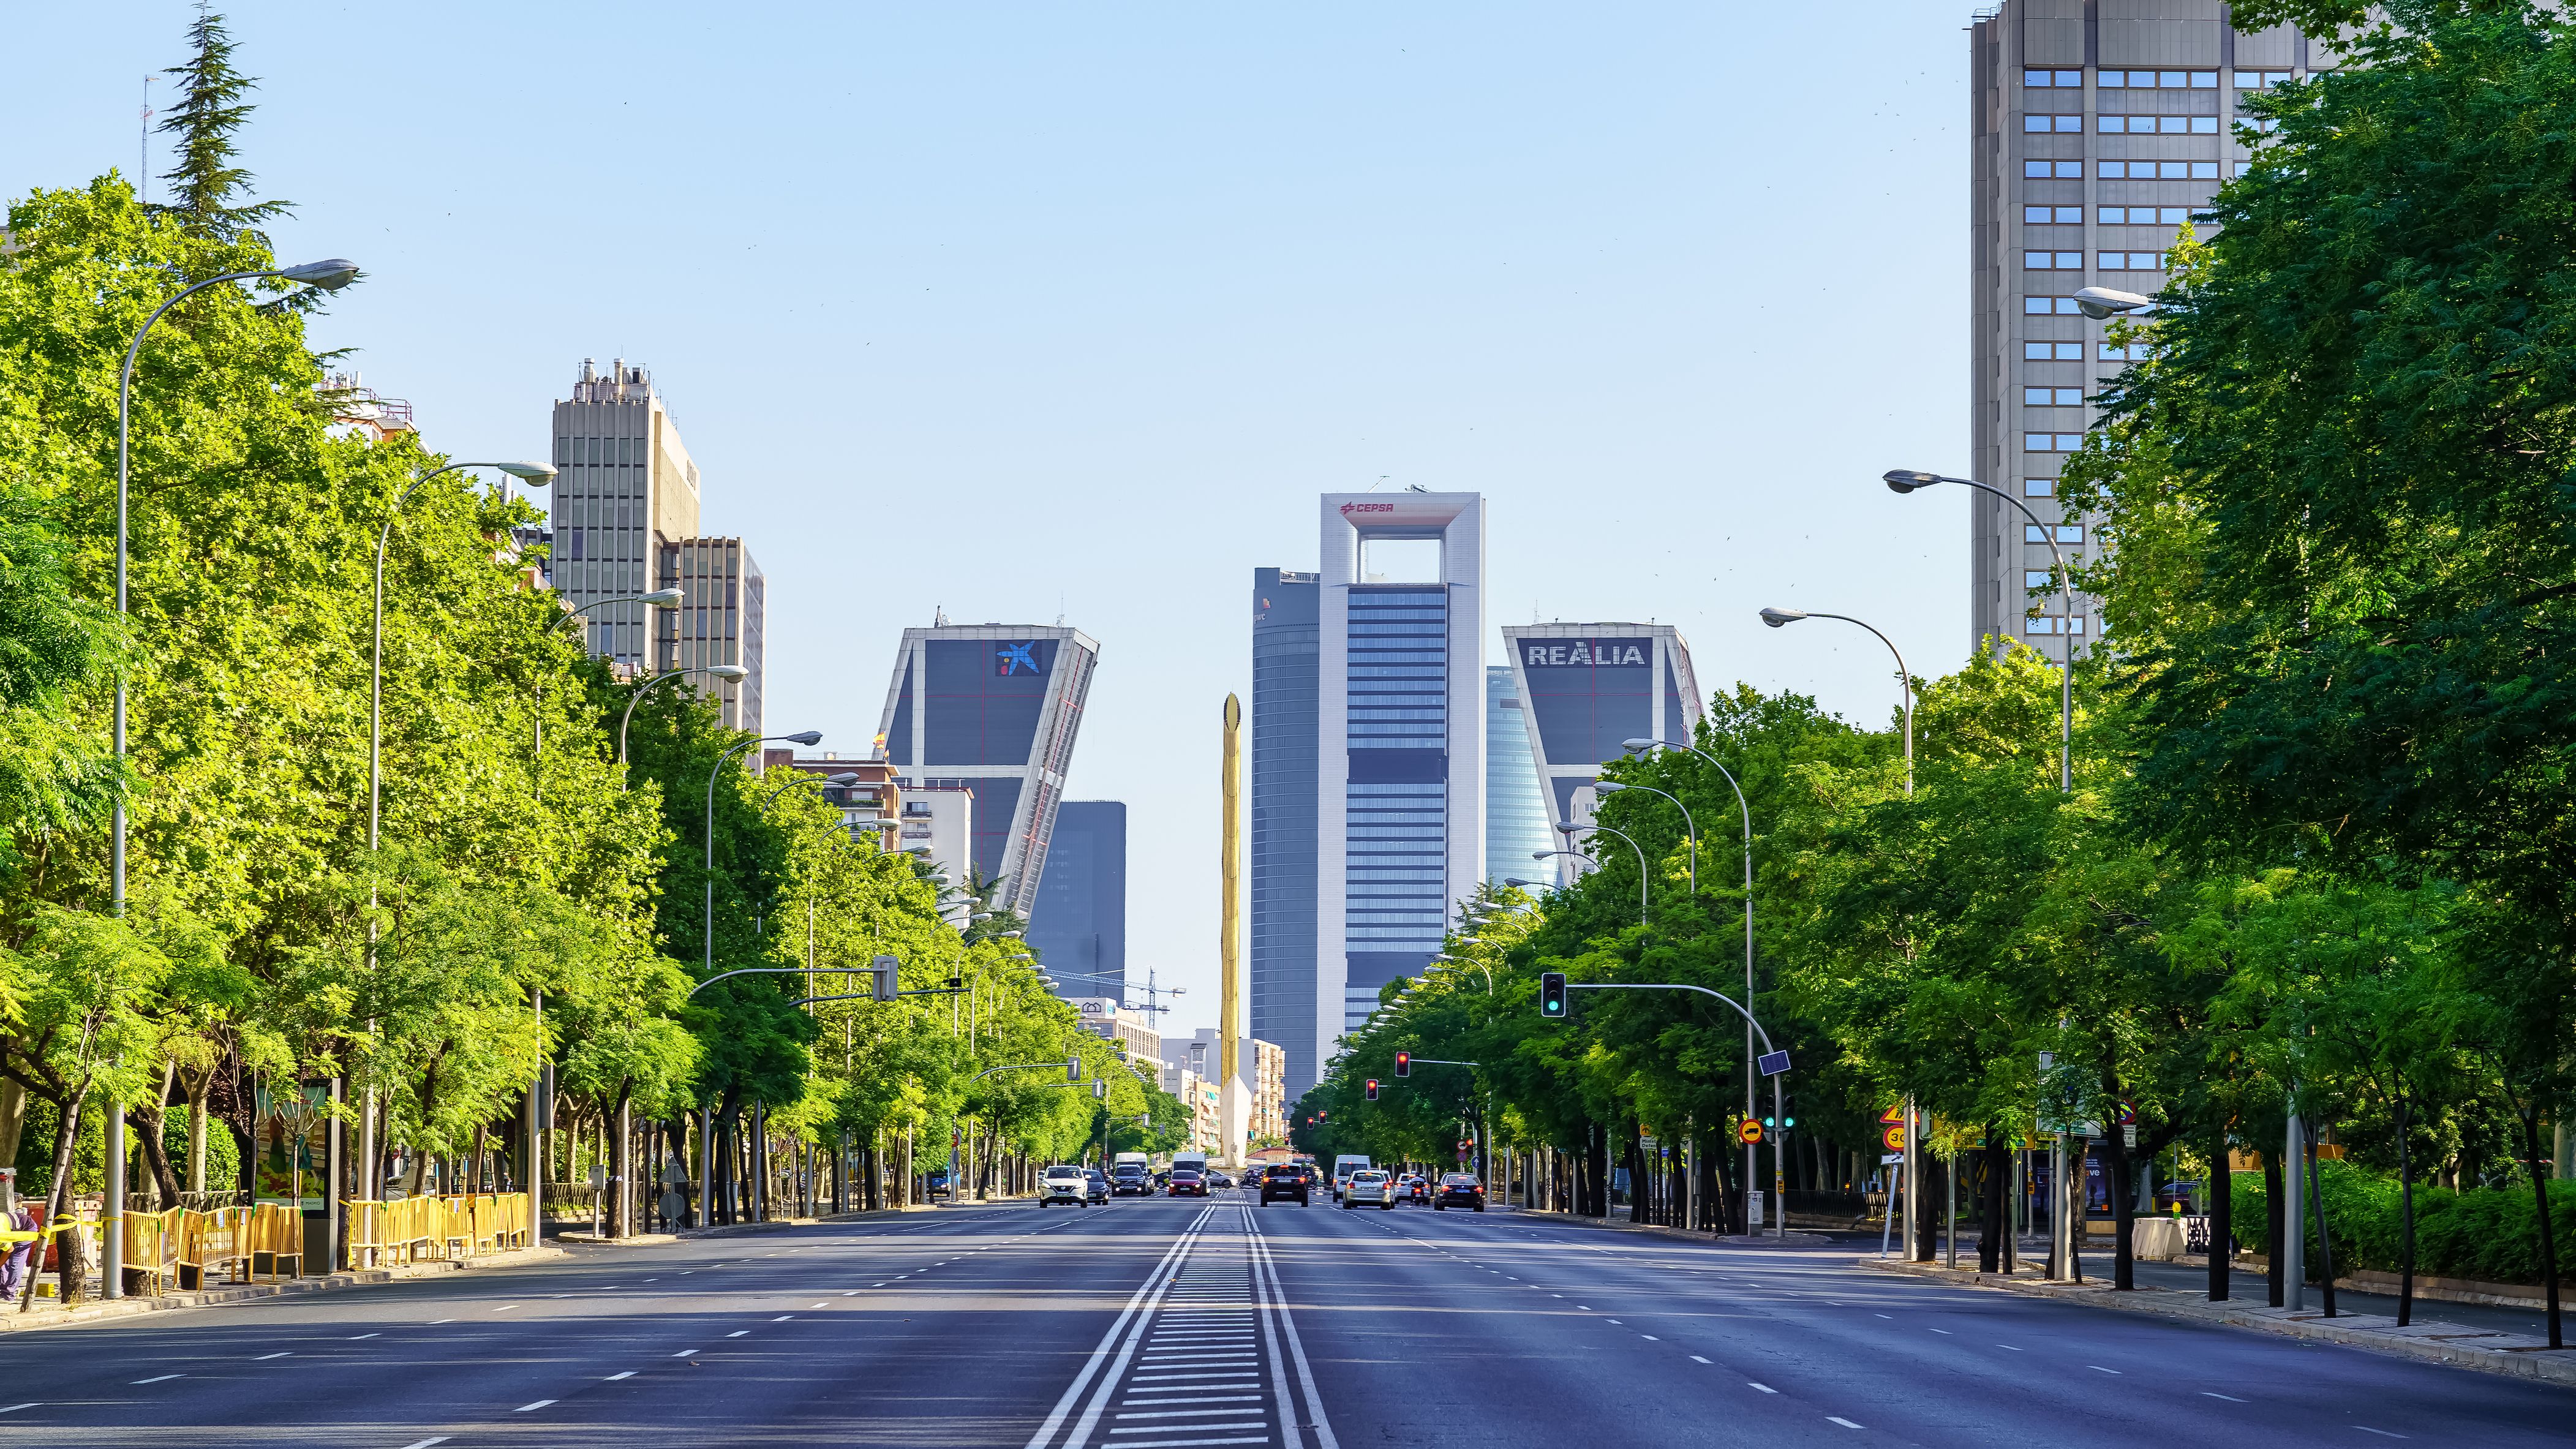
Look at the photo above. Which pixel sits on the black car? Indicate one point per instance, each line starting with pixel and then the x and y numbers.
pixel 1284 1180
pixel 1459 1189
pixel 1130 1178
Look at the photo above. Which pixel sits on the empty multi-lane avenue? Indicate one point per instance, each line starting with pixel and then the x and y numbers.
pixel 1162 1324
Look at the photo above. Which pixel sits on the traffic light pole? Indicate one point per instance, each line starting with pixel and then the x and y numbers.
pixel 1774 1063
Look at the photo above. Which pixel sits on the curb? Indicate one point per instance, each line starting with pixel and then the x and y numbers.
pixel 2516 1358
pixel 12 1321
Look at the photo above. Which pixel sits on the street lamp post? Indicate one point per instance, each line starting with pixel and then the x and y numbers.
pixel 330 276
pixel 1782 618
pixel 1903 481
pixel 727 672
pixel 1639 746
pixel 1605 787
pixel 1572 830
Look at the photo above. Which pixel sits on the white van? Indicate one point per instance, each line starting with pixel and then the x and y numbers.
pixel 1343 1167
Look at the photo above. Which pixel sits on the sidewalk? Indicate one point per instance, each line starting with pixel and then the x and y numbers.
pixel 2487 1351
pixel 46 1314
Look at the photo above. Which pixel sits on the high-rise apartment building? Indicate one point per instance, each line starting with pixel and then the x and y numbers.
pixel 719 621
pixel 1400 757
pixel 1286 649
pixel 2100 128
pixel 1079 929
pixel 992 709
pixel 1585 691
pixel 624 487
pixel 1515 807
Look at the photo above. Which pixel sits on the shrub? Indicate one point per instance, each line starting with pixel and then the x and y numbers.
pixel 2483 1233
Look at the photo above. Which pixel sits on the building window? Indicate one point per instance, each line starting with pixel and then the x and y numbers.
pixel 2052 261
pixel 2037 579
pixel 2035 123
pixel 2046 624
pixel 2244 166
pixel 2134 352
pixel 2050 307
pixel 2262 80
pixel 2147 215
pixel 2130 261
pixel 2061 170
pixel 2073 79
pixel 2053 215
pixel 2052 397
pixel 2158 80
pixel 2157 125
pixel 2157 170
pixel 2052 352
pixel 2066 533
pixel 2039 488
pixel 2051 442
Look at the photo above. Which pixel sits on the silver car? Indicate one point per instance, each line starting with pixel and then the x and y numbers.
pixel 1370 1185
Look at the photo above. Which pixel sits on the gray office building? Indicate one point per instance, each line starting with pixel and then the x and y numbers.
pixel 1079 929
pixel 1286 655
pixel 1515 807
pixel 721 620
pixel 992 709
pixel 624 487
pixel 1585 691
pixel 2100 127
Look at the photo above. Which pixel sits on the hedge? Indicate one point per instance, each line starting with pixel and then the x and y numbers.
pixel 2483 1233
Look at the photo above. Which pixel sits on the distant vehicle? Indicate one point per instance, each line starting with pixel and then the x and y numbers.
pixel 939 1184
pixel 1372 1186
pixel 1095 1185
pixel 1138 1158
pixel 1195 1161
pixel 1343 1167
pixel 1062 1184
pixel 1284 1181
pixel 1219 1179
pixel 1130 1178
pixel 1460 1189
pixel 1413 1187
pixel 1186 1182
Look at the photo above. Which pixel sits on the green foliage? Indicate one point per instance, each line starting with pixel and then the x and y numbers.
pixel 2485 1234
pixel 212 105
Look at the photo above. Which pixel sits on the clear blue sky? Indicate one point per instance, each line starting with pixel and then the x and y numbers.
pixel 1028 309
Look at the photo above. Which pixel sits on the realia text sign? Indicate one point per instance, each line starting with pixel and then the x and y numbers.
pixel 1588 652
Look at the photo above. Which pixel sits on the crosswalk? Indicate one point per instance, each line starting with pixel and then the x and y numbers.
pixel 1206 1354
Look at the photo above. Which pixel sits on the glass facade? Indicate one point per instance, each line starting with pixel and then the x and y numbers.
pixel 1286 660
pixel 1079 929
pixel 1515 811
pixel 1396 804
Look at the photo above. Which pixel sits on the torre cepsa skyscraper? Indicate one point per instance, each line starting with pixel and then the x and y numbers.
pixel 1400 757
pixel 992 709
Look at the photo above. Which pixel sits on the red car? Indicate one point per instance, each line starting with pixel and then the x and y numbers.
pixel 1188 1182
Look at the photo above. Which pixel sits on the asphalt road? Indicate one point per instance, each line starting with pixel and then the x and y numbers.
pixel 1169 1325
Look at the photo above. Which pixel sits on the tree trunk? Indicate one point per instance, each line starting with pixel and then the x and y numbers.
pixel 2222 1219
pixel 1992 1226
pixel 2325 1241
pixel 1935 1178
pixel 2405 1224
pixel 2548 1239
pixel 621 1168
pixel 2124 1207
pixel 196 1135
pixel 1633 1153
pixel 66 1136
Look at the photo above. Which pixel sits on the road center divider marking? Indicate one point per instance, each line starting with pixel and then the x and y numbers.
pixel 1138 1312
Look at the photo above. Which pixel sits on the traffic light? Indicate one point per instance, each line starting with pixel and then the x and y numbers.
pixel 1404 1064
pixel 1551 995
pixel 885 983
pixel 1372 1089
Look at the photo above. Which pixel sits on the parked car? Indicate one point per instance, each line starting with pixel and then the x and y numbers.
pixel 1187 1183
pixel 1284 1182
pixel 1370 1186
pixel 1130 1179
pixel 1460 1189
pixel 1063 1183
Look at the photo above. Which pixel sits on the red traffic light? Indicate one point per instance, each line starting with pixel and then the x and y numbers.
pixel 1372 1089
pixel 1404 1064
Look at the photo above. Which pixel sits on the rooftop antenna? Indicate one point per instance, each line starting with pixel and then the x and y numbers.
pixel 1382 477
pixel 143 149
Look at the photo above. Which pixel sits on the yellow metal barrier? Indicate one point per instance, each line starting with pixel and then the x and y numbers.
pixel 274 1230
pixel 151 1244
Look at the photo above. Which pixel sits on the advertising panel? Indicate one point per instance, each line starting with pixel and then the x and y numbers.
pixel 292 1140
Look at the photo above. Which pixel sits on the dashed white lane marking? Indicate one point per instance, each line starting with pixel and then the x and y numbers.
pixel 432 1439
pixel 1695 1358
pixel 1650 1338
pixel 1846 1423
pixel 433 1323
pixel 506 1307
pixel 1887 1315
pixel 822 1305
pixel 160 1378
pixel 2008 1348
pixel 782 1318
pixel 612 1378
pixel 281 1353
pixel 363 1336
pixel 2382 1433
pixel 684 1353
pixel 737 1333
pixel 1766 1388
pixel 2097 1368
pixel 530 1408
pixel 2231 1398
pixel 1945 1333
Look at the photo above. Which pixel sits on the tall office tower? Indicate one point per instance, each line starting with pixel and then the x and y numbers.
pixel 1587 689
pixel 1515 807
pixel 1281 927
pixel 992 709
pixel 719 621
pixel 1079 928
pixel 624 486
pixel 2100 128
pixel 1400 763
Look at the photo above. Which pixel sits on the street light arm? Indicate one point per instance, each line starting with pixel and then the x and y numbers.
pixel 1749 1018
pixel 1642 881
pixel 1688 824
pixel 2066 590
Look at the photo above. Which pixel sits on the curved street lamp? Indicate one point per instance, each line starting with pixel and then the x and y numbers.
pixel 726 672
pixel 1642 882
pixel 1605 787
pixel 807 738
pixel 330 276
pixel 1782 618
pixel 1901 480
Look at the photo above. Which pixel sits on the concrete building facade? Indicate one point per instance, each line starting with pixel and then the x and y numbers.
pixel 1108 1018
pixel 2099 129
pixel 722 620
pixel 1585 690
pixel 993 710
pixel 624 486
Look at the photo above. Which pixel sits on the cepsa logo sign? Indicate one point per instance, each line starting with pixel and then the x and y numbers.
pixel 1351 508
pixel 1590 653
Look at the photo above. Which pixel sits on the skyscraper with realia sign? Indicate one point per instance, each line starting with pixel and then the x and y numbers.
pixel 992 709
pixel 1585 691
